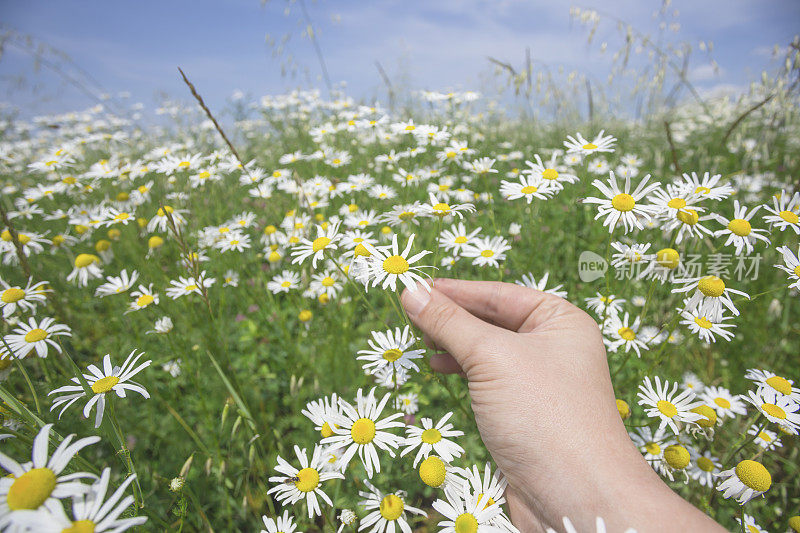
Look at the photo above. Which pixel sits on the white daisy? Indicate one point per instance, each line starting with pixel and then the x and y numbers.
pixel 184 286
pixel 529 281
pixel 117 284
pixel 772 382
pixel 791 265
pixel 408 403
pixel 723 402
pixel 386 265
pixel 387 512
pixel 700 325
pixel 33 485
pixel 391 349
pixel 581 146
pixel 36 335
pixel 325 241
pixel 739 230
pixel 604 305
pixel 622 204
pixel 785 212
pixel 710 295
pixel 14 297
pixel 465 512
pixel 662 403
pixel 529 187
pixel 457 237
pixel 777 408
pixel 110 378
pixel 430 438
pixel 143 298
pixel 703 468
pixel 442 209
pixel 323 413
pixel 284 282
pixel 487 251
pixel 492 487
pixel 303 483
pixel 707 186
pixel 359 428
pixel 619 332
pixel 748 480
pixel 549 172
pixel 279 524
pixel 85 269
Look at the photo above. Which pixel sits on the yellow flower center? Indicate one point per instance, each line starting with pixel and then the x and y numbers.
pixel 274 257
pixel 623 202
pixel 155 241
pixel 652 448
pixel 326 431
pixel 487 253
pixel 780 384
pixel 81 526
pixel 709 416
pixel 395 265
pixel 442 209
pixel 466 523
pixel 392 355
pixel 31 489
pixel 666 408
pixel 740 227
pixel 102 245
pixel 623 409
pixel 432 471
pixel 754 475
pixel 84 260
pixel 163 210
pixel 327 281
pixel 35 335
pixel 705 464
pixel 451 154
pixel 431 436
pixel 363 431
pixel 789 216
pixel 702 190
pixel 676 456
pixel 688 216
pixel 307 480
pixel 184 164
pixel 14 294
pixel 391 507
pixel 361 251
pixel 773 410
pixel 406 215
pixel 703 322
pixel 122 216
pixel 191 287
pixel 722 402
pixel 627 334
pixel 589 146
pixel 460 239
pixel 550 174
pixel 320 243
pixel 677 203
pixel 305 315
pixel 668 258
pixel 105 384
pixel 764 436
pixel 144 300
pixel 529 189
pixel 711 286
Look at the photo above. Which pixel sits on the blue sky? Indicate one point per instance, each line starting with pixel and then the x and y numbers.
pixel 443 44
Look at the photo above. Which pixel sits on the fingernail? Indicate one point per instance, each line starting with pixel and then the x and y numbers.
pixel 415 301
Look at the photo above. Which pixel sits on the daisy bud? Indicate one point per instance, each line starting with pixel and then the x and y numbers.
pixel 677 456
pixel 624 409
pixel 709 419
pixel 432 471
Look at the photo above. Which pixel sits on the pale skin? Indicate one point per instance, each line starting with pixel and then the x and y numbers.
pixel 545 408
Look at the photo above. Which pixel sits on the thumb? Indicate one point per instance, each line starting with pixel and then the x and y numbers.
pixel 448 325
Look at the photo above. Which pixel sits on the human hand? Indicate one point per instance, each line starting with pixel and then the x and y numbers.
pixel 545 407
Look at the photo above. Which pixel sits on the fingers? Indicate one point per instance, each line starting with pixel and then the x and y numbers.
pixel 445 364
pixel 508 305
pixel 448 325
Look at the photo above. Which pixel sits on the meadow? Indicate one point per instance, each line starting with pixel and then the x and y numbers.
pixel 240 276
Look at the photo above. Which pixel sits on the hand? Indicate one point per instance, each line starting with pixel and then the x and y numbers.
pixel 545 407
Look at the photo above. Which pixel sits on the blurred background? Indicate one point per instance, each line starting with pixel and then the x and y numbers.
pixel 61 56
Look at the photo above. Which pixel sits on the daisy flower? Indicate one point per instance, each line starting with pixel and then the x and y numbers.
pixel 160 221
pixel 386 265
pixel 403 214
pixel 85 269
pixel 235 240
pixel 703 468
pixel 529 281
pixel 347 518
pixel 408 403
pixel 14 297
pixel 482 165
pixel 700 325
pixel 630 254
pixel 604 305
pixel 284 282
pixel 36 335
pixel 622 204
pixel 323 413
pixel 230 278
pixel 777 408
pixel 662 403
pixel 465 512
pixel 750 524
pixel 386 512
pixel 688 223
pixel 723 402
pixel 748 480
pixel 791 265
pixel 620 332
pixel 162 325
pixel 765 438
pixel 548 173
pixel 581 146
pixel 304 483
pixel 651 444
pixel 739 231
pixel 279 524
pixel 430 438
pixel 487 251
pixel 391 349
pixel 457 237
pixel 110 378
pixel 38 484
pixel 391 377
pixel 784 212
pixel 769 381
pixel 90 511
pixel 358 428
pixel 710 295
pixel 442 209
pixel 492 487
pixel 117 284
pixel 142 298
pixel 707 186
pixel 326 240
pixel 671 200
pixel 325 283
pixel 692 382
pixel 184 286
pixel 529 187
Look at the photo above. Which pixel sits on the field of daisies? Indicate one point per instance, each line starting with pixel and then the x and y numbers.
pixel 204 333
